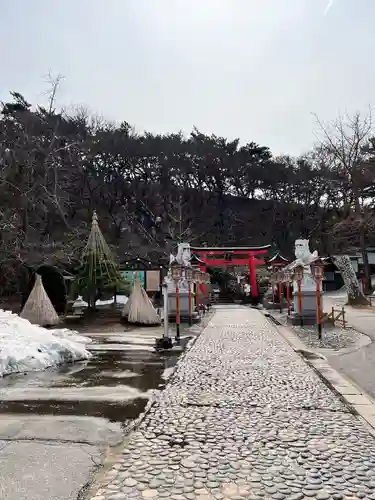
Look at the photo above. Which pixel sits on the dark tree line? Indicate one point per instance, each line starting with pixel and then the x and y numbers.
pixel 151 190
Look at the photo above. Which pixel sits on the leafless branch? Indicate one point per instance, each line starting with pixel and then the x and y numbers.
pixel 54 82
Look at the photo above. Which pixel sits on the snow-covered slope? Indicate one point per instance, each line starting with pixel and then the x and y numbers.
pixel 26 347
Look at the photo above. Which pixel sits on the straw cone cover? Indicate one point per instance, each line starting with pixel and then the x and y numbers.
pixel 39 309
pixel 139 308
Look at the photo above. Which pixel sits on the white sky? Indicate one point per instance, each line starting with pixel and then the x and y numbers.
pixel 254 69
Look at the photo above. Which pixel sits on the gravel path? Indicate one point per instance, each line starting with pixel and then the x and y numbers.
pixel 244 418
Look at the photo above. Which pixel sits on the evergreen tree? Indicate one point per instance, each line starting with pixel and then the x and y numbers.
pixel 98 272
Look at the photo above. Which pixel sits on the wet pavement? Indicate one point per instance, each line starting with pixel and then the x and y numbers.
pixel 114 384
pixel 58 426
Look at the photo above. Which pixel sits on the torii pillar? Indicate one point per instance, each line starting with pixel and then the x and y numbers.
pixel 253 277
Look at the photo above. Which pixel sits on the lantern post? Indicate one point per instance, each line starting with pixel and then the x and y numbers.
pixel 206 281
pixel 273 286
pixel 298 276
pixel 189 278
pixel 166 313
pixel 279 284
pixel 317 269
pixel 197 278
pixel 287 279
pixel 176 276
pixel 165 342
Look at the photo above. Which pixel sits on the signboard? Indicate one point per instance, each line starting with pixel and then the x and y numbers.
pixel 129 276
pixel 152 281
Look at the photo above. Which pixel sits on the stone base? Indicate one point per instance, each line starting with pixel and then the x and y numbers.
pixel 163 343
pixel 74 318
pixel 184 318
pixel 307 319
pixel 274 306
pixel 308 302
pixel 184 303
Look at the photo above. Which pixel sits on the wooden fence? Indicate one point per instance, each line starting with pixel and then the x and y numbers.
pixel 336 315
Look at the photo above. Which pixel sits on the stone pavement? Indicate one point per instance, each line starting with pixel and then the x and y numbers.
pixel 244 417
pixel 54 458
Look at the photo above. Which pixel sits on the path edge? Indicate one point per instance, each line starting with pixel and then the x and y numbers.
pixel 112 452
pixel 358 401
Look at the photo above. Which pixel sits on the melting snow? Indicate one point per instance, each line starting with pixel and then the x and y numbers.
pixel 25 347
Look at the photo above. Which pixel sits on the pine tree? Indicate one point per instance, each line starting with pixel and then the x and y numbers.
pixel 98 272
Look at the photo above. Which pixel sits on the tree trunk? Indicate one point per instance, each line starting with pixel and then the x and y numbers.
pixel 366 266
pixel 25 218
pixel 353 288
pixel 362 242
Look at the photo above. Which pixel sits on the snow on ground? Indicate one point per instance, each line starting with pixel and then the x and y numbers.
pixel 72 335
pixel 26 347
pixel 121 300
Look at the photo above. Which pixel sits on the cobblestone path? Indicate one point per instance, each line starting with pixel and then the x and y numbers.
pixel 245 418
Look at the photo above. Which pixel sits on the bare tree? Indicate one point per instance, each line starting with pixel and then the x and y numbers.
pixel 345 141
pixel 54 82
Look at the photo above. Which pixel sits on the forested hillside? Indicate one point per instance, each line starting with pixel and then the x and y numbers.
pixel 151 190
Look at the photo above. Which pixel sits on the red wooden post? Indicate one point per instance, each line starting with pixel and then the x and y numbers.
pixel 196 279
pixel 318 309
pixel 318 270
pixel 253 277
pixel 288 296
pixel 203 268
pixel 177 312
pixel 189 275
pixel 300 300
pixel 280 296
pixel 189 304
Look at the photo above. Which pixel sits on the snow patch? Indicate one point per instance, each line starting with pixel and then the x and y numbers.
pixel 120 300
pixel 25 347
pixel 72 335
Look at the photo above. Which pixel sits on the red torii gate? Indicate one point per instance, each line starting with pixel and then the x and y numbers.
pixel 205 255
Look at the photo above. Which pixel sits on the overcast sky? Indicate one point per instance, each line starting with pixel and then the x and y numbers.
pixel 253 69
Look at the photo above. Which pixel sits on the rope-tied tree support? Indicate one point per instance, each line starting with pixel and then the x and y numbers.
pixel 99 271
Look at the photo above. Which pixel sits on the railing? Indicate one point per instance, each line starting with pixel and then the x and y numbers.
pixel 336 315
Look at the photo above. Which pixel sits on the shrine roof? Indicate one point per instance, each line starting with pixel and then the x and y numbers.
pixel 278 257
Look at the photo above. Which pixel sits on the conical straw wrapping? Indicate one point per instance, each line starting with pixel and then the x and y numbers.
pixel 39 309
pixel 139 308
